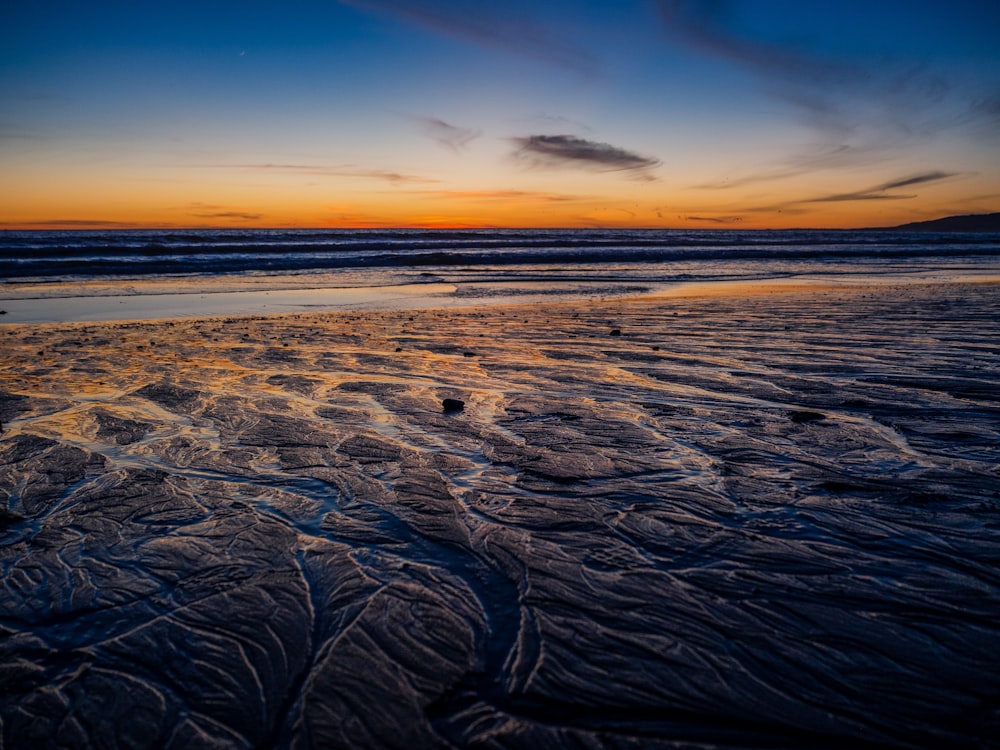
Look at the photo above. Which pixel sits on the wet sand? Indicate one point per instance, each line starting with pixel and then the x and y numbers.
pixel 761 519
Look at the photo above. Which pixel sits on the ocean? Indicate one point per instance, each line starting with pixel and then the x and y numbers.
pixel 376 255
pixel 95 275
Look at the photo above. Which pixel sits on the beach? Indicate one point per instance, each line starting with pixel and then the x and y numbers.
pixel 751 515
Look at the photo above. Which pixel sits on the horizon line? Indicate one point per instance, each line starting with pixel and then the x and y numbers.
pixel 99 226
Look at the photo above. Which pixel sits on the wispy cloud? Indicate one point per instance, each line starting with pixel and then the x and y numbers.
pixel 210 211
pixel 450 136
pixel 10 132
pixel 232 215
pixel 81 223
pixel 917 179
pixel 474 21
pixel 571 151
pixel 984 111
pixel 884 190
pixel 857 97
pixel 716 219
pixel 814 85
pixel 396 178
pixel 327 171
pixel 705 25
pixel 809 160
pixel 499 195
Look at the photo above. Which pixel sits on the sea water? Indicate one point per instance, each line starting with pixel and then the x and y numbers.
pixel 442 267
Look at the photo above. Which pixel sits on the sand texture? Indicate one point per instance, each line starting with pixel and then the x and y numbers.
pixel 762 521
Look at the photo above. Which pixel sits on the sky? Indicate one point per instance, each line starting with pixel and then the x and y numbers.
pixel 453 113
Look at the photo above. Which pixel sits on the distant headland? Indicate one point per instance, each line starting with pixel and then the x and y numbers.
pixel 968 223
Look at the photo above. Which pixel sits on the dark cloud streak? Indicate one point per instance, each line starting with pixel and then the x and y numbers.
pixel 880 192
pixel 571 151
pixel 918 179
pixel 715 219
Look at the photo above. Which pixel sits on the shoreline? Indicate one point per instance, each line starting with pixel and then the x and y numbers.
pixel 212 297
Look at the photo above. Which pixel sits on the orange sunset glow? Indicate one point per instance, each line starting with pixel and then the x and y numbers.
pixel 374 114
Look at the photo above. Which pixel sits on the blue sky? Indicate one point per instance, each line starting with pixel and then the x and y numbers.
pixel 453 112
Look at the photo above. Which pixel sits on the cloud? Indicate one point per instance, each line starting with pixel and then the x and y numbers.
pixel 498 195
pixel 807 161
pixel 861 97
pixel 917 179
pixel 571 151
pixel 226 215
pixel 474 21
pixel 84 223
pixel 716 219
pixel 326 171
pixel 380 174
pixel 984 111
pixel 813 85
pixel 211 211
pixel 706 25
pixel 450 136
pixel 879 192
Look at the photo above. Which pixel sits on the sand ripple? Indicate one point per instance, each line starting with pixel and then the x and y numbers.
pixel 760 522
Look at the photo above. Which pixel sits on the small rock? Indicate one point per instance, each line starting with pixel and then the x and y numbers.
pixel 800 417
pixel 616 332
pixel 452 405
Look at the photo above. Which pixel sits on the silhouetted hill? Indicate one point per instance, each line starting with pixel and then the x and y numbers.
pixel 969 223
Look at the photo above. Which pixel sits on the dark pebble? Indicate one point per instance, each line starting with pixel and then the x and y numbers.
pixel 452 404
pixel 800 417
pixel 616 332
pixel 9 516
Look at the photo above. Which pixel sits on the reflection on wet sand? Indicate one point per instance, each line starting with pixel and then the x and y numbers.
pixel 740 521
